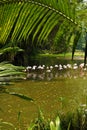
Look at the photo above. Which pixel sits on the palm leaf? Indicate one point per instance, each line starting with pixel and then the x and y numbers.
pixel 61 31
pixel 44 16
pixel 20 20
pixel 9 72
pixel 8 66
pixel 39 17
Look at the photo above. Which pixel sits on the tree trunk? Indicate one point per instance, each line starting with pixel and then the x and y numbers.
pixel 85 50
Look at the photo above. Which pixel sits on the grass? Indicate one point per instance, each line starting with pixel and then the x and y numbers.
pixel 79 54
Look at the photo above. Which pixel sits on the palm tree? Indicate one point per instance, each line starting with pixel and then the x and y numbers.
pixel 33 21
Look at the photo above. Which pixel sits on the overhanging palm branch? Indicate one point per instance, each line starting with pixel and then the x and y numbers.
pixel 21 18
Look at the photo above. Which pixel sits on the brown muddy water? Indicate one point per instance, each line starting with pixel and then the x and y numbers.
pixel 65 91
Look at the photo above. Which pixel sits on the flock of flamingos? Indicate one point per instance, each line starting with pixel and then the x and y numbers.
pixel 43 72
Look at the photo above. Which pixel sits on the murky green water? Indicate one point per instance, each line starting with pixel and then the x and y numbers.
pixel 64 92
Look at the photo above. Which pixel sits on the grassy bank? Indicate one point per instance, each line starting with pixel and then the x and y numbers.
pixel 62 55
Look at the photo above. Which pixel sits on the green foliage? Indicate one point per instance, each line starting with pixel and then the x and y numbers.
pixel 9 72
pixel 55 126
pixel 8 66
pixel 38 17
pixel 11 50
pixel 32 125
pixel 76 120
pixel 35 22
pixel 69 121
pixel 9 53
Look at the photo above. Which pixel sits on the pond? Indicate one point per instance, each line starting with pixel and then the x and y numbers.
pixel 56 90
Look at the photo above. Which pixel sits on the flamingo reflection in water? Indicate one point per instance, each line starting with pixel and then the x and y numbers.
pixel 43 72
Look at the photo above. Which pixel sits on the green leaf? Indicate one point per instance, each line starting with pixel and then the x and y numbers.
pixel 52 126
pixel 55 126
pixel 32 125
pixel 34 16
pixel 58 127
pixel 20 96
pixel 69 126
pixel 10 49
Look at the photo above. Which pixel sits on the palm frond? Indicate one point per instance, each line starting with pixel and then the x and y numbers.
pixel 9 72
pixel 19 19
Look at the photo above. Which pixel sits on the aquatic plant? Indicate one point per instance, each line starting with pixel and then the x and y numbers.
pixel 76 120
pixel 55 126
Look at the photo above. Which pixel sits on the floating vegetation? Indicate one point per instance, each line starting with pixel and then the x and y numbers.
pixel 22 96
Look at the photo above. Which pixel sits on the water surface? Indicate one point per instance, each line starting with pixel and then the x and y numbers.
pixel 65 91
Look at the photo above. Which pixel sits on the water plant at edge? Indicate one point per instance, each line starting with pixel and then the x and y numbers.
pixel 55 126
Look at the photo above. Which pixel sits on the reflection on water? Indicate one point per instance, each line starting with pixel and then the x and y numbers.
pixel 55 90
pixel 43 72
